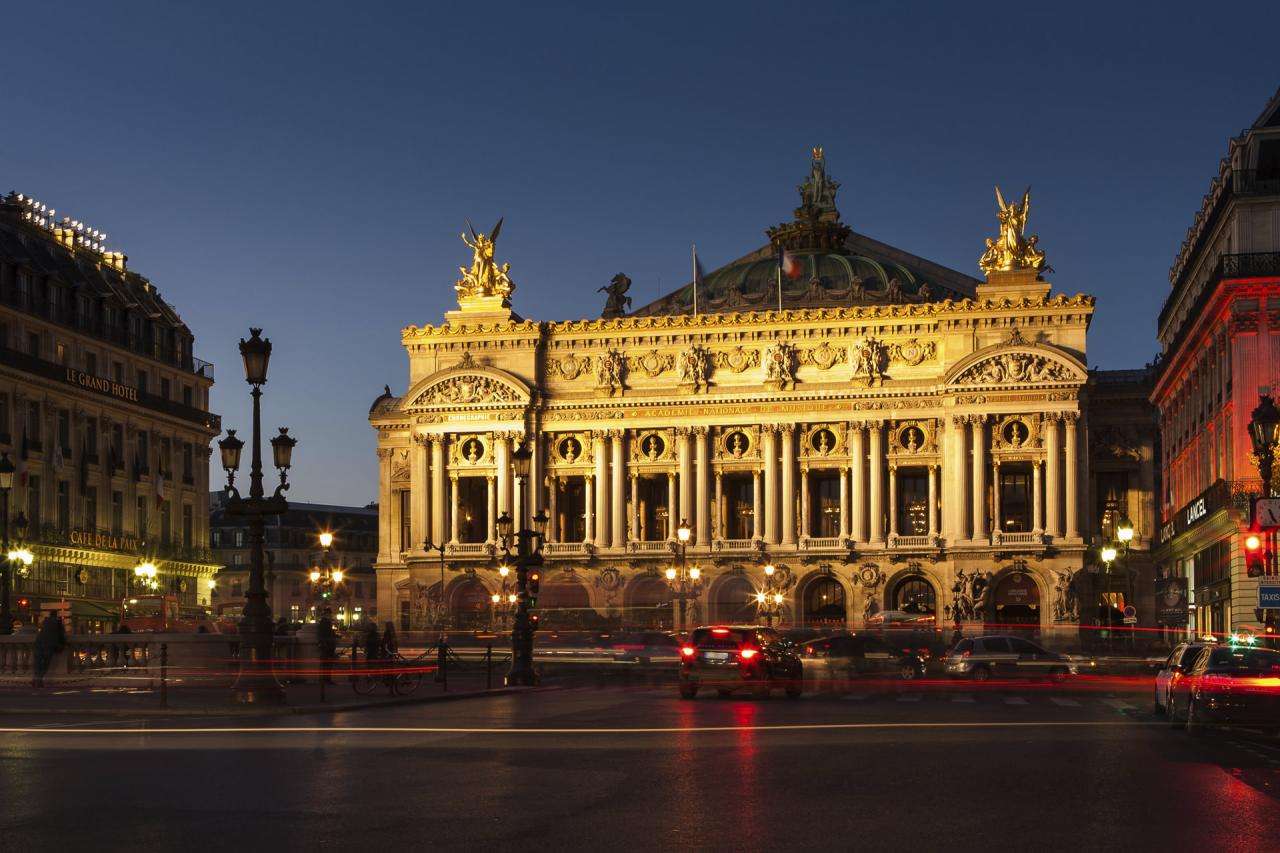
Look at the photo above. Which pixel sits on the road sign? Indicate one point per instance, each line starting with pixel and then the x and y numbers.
pixel 1269 595
pixel 1130 612
pixel 1266 513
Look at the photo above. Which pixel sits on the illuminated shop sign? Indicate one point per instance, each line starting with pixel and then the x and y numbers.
pixel 103 386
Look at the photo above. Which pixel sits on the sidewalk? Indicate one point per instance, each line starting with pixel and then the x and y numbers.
pixel 220 701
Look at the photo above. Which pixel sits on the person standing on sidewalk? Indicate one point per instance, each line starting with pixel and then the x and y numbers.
pixel 442 656
pixel 51 640
pixel 372 644
pixel 327 640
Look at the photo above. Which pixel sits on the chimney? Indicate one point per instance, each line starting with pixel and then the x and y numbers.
pixel 117 260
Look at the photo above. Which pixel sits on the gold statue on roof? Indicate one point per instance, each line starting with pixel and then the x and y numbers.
pixel 1012 250
pixel 485 278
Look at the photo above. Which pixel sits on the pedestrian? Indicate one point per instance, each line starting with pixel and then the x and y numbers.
pixel 390 645
pixel 327 640
pixel 372 646
pixel 442 656
pixel 282 627
pixel 51 640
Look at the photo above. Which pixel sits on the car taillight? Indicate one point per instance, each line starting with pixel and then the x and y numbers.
pixel 808 650
pixel 687 651
pixel 965 653
pixel 719 632
pixel 748 654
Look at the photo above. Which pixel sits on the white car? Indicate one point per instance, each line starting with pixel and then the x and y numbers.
pixel 1172 670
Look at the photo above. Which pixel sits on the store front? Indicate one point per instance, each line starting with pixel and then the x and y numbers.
pixel 1015 604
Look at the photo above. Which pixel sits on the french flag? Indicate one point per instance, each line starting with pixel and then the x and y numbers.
pixel 790 265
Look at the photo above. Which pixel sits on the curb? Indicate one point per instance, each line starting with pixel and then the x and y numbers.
pixel 277 711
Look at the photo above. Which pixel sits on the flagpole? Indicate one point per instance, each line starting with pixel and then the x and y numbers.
pixel 695 278
pixel 779 288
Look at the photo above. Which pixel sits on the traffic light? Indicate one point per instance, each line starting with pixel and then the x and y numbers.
pixel 533 621
pixel 535 580
pixel 1254 556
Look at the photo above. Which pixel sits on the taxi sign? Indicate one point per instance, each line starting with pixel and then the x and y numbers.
pixel 1269 595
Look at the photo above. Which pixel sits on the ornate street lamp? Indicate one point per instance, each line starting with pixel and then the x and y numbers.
pixel 256 682
pixel 326 579
pixel 1264 433
pixel 685 582
pixel 528 542
pixel 769 600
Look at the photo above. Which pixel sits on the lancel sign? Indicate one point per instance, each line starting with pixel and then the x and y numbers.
pixel 101 385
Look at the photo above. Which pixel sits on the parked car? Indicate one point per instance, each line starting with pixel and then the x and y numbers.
pixel 1002 656
pixel 1229 685
pixel 739 657
pixel 1172 671
pixel 832 662
pixel 647 647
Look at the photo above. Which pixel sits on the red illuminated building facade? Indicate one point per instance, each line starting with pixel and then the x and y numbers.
pixel 1220 336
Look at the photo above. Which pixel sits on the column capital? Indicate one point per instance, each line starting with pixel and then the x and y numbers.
pixel 699 430
pixel 615 434
pixel 1070 418
pixel 421 439
pixel 976 419
pixel 875 423
pixel 683 431
pixel 384 452
pixel 1051 417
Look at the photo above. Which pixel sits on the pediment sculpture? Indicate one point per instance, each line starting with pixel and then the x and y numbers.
pixel 468 388
pixel 1015 367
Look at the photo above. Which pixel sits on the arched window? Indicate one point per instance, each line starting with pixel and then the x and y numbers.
pixel 914 595
pixel 824 602
pixel 734 602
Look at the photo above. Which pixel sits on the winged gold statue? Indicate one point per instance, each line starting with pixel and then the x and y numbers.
pixel 485 277
pixel 1012 249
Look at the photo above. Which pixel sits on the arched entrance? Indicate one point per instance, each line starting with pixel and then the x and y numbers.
pixel 734 601
pixel 648 604
pixel 1014 603
pixel 823 603
pixel 915 597
pixel 469 605
pixel 565 603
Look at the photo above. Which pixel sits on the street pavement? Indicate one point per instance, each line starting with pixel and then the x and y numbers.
pixel 638 769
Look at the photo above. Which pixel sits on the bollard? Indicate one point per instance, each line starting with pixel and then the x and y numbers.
pixel 164 675
pixel 488 667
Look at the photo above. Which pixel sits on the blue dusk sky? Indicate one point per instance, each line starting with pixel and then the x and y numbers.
pixel 307 167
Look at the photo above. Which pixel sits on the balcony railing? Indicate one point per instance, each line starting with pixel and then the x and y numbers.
pixel 1254 182
pixel 465 548
pixel 1249 264
pixel 662 546
pixel 1022 538
pixel 822 543
pixel 925 541
pixel 737 545
pixel 564 549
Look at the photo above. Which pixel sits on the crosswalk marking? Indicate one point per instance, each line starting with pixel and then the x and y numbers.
pixel 1064 703
pixel 1015 700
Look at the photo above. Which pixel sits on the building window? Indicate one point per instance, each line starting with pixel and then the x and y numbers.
pixel 91 439
pixel 142 381
pixel 1015 499
pixel 235 589
pixel 64 506
pixel 4 419
pixel 60 353
pixel 186 395
pixel 33 425
pixel 1113 497
pixel 571 507
pixel 142 517
pixel 824 504
pixel 739 506
pixel 64 431
pixel 296 587
pixel 164 388
pixel 651 492
pixel 406 522
pixel 117 372
pixel 91 508
pixel 166 527
pixel 187 476
pixel 117 513
pixel 33 344
pixel 295 612
pixel 913 502
pixel 142 458
pixel 188 527
pixel 33 505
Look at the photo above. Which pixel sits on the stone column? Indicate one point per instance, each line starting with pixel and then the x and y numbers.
pixel 718 523
pixel 805 531
pixel 491 501
pixel 977 434
pixel 420 483
pixel 770 450
pixel 1052 477
pixel 438 516
pixel 757 506
pixel 857 478
pixel 702 524
pixel 600 454
pixel 1073 469
pixel 788 438
pixel 933 501
pixel 893 501
pixel 673 508
pixel 685 460
pixel 618 498
pixel 636 533
pixel 876 475
pixel 588 488
pixel 957 481
pixel 453 509
pixel 997 521
pixel 385 528
pixel 1037 501
pixel 533 498
pixel 844 503
pixel 553 509
pixel 502 462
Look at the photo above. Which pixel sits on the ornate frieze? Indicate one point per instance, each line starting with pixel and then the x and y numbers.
pixel 871 360
pixel 695 368
pixel 570 367
pixel 780 366
pixel 737 359
pixel 824 356
pixel 913 352
pixel 1016 367
pixel 468 389
pixel 652 363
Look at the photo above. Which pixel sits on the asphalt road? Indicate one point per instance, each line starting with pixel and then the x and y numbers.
pixel 590 768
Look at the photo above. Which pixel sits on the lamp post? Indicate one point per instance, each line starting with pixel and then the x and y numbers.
pixel 255 681
pixel 6 483
pixel 1264 434
pixel 769 600
pixel 326 578
pixel 428 545
pixel 685 583
pixel 528 556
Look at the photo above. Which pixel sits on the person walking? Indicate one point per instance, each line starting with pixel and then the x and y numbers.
pixel 390 645
pixel 327 640
pixel 372 646
pixel 51 639
pixel 442 658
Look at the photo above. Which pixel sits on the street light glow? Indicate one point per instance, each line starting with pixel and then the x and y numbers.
pixel 769 569
pixel 145 570
pixel 671 574
pixel 21 555
pixel 315 576
pixel 337 575
pixel 504 570
pixel 326 539
pixel 695 573
pixel 1108 553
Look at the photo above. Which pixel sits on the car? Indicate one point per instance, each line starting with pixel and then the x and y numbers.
pixel 1229 685
pixel 647 647
pixel 729 658
pixel 1003 656
pixel 900 619
pixel 832 662
pixel 1172 672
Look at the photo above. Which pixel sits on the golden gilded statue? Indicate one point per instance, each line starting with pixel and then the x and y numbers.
pixel 485 277
pixel 1012 250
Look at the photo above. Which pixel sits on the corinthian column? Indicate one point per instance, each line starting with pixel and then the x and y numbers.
pixel 385 527
pixel 418 485
pixel 589 529
pixel 618 497
pixel 788 438
pixel 844 503
pixel 491 499
pixel 876 475
pixel 702 524
pixel 600 453
pixel 770 460
pixel 893 501
pixel 857 477
pixel 502 462
pixel 1052 477
pixel 438 516
pixel 1037 501
pixel 956 481
pixel 933 501
pixel 977 434
pixel 685 461
pixel 805 513
pixel 757 506
pixel 1073 468
pixel 453 510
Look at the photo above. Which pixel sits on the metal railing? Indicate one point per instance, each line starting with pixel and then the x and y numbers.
pixel 662 546
pixel 925 541
pixel 821 543
pixel 1247 264
pixel 735 545
pixel 560 549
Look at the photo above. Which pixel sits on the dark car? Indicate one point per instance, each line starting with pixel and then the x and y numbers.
pixel 1229 685
pixel 832 662
pixel 647 647
pixel 983 658
pixel 1172 674
pixel 728 658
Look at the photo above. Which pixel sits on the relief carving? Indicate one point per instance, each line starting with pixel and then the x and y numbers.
pixel 872 360
pixel 913 352
pixel 780 366
pixel 695 368
pixel 823 356
pixel 652 363
pixel 468 389
pixel 1015 367
pixel 737 359
pixel 610 370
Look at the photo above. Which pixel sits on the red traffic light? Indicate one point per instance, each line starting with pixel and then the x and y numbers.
pixel 1252 542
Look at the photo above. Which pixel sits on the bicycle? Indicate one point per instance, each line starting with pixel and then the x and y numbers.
pixel 401 676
